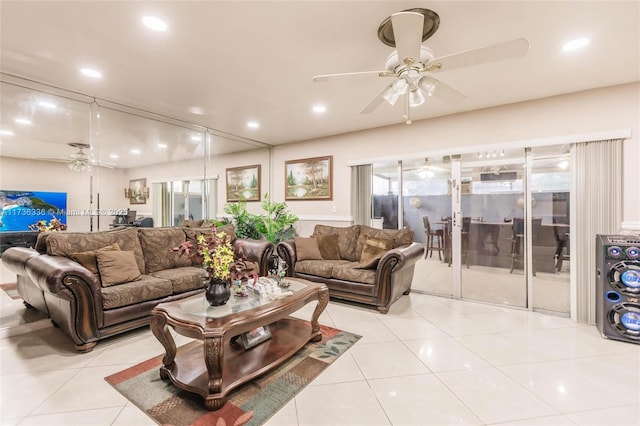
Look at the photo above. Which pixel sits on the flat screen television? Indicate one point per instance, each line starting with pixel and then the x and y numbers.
pixel 19 209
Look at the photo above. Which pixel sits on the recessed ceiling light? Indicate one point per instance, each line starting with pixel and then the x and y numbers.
pixel 6 133
pixel 47 104
pixel 23 121
pixel 162 145
pixel 576 44
pixel 153 23
pixel 135 151
pixel 196 138
pixel 196 110
pixel 114 156
pixel 253 124
pixel 90 72
pixel 319 109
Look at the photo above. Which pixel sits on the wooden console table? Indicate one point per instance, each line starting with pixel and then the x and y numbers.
pixel 222 365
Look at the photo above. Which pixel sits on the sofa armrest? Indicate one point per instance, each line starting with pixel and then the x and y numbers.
pixel 286 250
pixel 400 257
pixel 72 294
pixel 258 251
pixel 16 258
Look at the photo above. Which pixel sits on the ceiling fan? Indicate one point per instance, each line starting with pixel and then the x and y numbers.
pixel 78 161
pixel 411 64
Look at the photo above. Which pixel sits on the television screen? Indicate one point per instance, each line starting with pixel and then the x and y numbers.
pixel 19 209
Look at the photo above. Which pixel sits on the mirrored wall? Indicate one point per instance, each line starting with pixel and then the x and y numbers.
pixel 93 161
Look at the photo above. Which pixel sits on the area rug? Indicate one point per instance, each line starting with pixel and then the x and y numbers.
pixel 11 289
pixel 252 403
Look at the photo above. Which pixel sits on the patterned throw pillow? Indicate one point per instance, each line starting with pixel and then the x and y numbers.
pixel 373 250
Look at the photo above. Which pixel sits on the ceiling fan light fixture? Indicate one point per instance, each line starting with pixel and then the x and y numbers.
pixel 79 166
pixel 416 98
pixel 391 96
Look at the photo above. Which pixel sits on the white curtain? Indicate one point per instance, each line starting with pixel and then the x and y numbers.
pixel 361 201
pixel 596 208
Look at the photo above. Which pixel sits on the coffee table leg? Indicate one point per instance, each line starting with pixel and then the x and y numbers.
pixel 323 300
pixel 213 354
pixel 160 329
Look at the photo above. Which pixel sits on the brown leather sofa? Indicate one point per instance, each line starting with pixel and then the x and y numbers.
pixel 379 280
pixel 59 278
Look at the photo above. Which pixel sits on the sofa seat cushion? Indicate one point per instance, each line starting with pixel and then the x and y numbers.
pixel 182 279
pixel 350 272
pixel 319 268
pixel 146 288
pixel 157 244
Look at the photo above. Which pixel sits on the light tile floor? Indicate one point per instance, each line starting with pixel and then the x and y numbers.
pixel 429 361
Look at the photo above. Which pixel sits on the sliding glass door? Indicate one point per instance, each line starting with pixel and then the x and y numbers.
pixel 493 240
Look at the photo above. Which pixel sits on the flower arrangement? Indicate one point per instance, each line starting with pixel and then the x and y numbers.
pixel 54 225
pixel 217 257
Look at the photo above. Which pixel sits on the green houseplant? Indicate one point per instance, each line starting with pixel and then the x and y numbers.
pixel 274 225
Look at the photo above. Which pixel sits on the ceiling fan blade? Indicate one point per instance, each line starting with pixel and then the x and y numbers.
pixel 497 52
pixel 375 102
pixel 326 77
pixel 407 32
pixel 440 90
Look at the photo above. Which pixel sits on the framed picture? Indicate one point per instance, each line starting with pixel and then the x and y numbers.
pixel 138 191
pixel 309 179
pixel 251 338
pixel 243 183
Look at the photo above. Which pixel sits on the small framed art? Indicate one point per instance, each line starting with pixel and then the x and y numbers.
pixel 243 183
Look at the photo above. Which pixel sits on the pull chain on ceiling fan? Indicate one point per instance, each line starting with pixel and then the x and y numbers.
pixel 411 63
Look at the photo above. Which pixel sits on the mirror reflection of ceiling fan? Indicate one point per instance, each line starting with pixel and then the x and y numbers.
pixel 78 161
pixel 412 64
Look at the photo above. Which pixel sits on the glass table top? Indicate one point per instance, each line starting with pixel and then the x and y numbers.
pixel 199 306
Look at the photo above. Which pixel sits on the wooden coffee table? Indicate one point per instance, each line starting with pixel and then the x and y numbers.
pixel 220 365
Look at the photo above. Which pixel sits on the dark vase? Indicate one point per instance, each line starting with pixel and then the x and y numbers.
pixel 217 292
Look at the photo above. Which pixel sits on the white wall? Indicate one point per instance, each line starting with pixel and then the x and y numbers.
pixel 597 110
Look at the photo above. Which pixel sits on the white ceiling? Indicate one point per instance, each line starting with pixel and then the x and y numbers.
pixel 232 62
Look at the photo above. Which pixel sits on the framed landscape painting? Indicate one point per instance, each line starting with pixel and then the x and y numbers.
pixel 309 179
pixel 243 183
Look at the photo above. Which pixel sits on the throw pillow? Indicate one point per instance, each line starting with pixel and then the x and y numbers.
pixel 88 258
pixel 117 267
pixel 307 248
pixel 328 245
pixel 373 250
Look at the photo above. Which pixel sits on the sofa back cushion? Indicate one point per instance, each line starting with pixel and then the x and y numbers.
pixel 400 237
pixel 157 244
pixel 346 237
pixel 66 243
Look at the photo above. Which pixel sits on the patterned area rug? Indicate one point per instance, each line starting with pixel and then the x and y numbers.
pixel 251 404
pixel 11 290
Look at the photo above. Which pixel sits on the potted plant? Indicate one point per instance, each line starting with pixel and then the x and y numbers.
pixel 221 263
